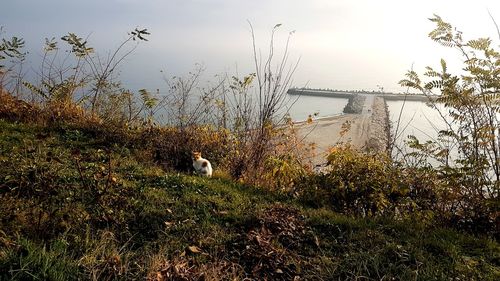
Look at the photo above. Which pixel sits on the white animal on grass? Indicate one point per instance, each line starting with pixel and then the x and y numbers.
pixel 201 165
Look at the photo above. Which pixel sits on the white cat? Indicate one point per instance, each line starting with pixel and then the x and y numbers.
pixel 201 165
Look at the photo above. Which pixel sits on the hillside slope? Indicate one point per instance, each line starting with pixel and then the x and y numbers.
pixel 73 206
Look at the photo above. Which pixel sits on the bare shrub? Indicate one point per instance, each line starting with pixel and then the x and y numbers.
pixel 85 78
pixel 254 109
pixel 188 103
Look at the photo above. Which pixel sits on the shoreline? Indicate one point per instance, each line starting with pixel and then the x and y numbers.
pixel 368 130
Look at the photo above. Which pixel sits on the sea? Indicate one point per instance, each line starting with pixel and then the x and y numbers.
pixel 407 118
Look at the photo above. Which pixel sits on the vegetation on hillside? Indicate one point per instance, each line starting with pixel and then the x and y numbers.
pixel 93 187
pixel 468 149
pixel 76 207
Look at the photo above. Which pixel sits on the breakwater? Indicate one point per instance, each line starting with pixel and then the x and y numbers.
pixel 330 94
pixel 366 119
pixel 342 94
pixel 379 130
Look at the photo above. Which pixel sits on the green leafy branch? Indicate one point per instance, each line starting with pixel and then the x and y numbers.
pixel 11 49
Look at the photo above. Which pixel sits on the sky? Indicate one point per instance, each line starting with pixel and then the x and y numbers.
pixel 341 44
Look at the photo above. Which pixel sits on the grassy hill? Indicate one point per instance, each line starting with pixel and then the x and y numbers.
pixel 75 206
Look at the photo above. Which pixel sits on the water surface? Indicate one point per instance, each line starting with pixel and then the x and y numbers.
pixel 310 105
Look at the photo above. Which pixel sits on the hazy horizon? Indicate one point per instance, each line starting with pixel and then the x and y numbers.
pixel 341 44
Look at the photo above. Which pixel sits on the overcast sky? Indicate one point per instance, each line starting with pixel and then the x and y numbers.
pixel 343 44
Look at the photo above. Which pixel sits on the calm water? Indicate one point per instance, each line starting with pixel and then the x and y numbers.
pixel 417 119
pixel 299 107
pixel 323 106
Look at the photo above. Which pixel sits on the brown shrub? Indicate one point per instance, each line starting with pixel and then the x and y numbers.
pixel 172 147
pixel 49 113
pixel 68 112
pixel 14 109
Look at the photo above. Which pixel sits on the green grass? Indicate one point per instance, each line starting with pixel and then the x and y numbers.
pixel 63 217
pixel 403 250
pixel 30 261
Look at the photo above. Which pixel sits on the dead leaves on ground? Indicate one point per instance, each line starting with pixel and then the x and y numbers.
pixel 267 251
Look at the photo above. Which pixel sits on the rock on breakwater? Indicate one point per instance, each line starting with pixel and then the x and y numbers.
pixel 355 104
pixel 379 129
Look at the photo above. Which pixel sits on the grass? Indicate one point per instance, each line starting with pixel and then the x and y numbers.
pixel 73 206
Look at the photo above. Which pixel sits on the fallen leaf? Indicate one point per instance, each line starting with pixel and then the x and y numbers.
pixel 194 249
pixel 316 241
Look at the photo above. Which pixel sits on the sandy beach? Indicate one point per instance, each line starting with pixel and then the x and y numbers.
pixel 362 131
